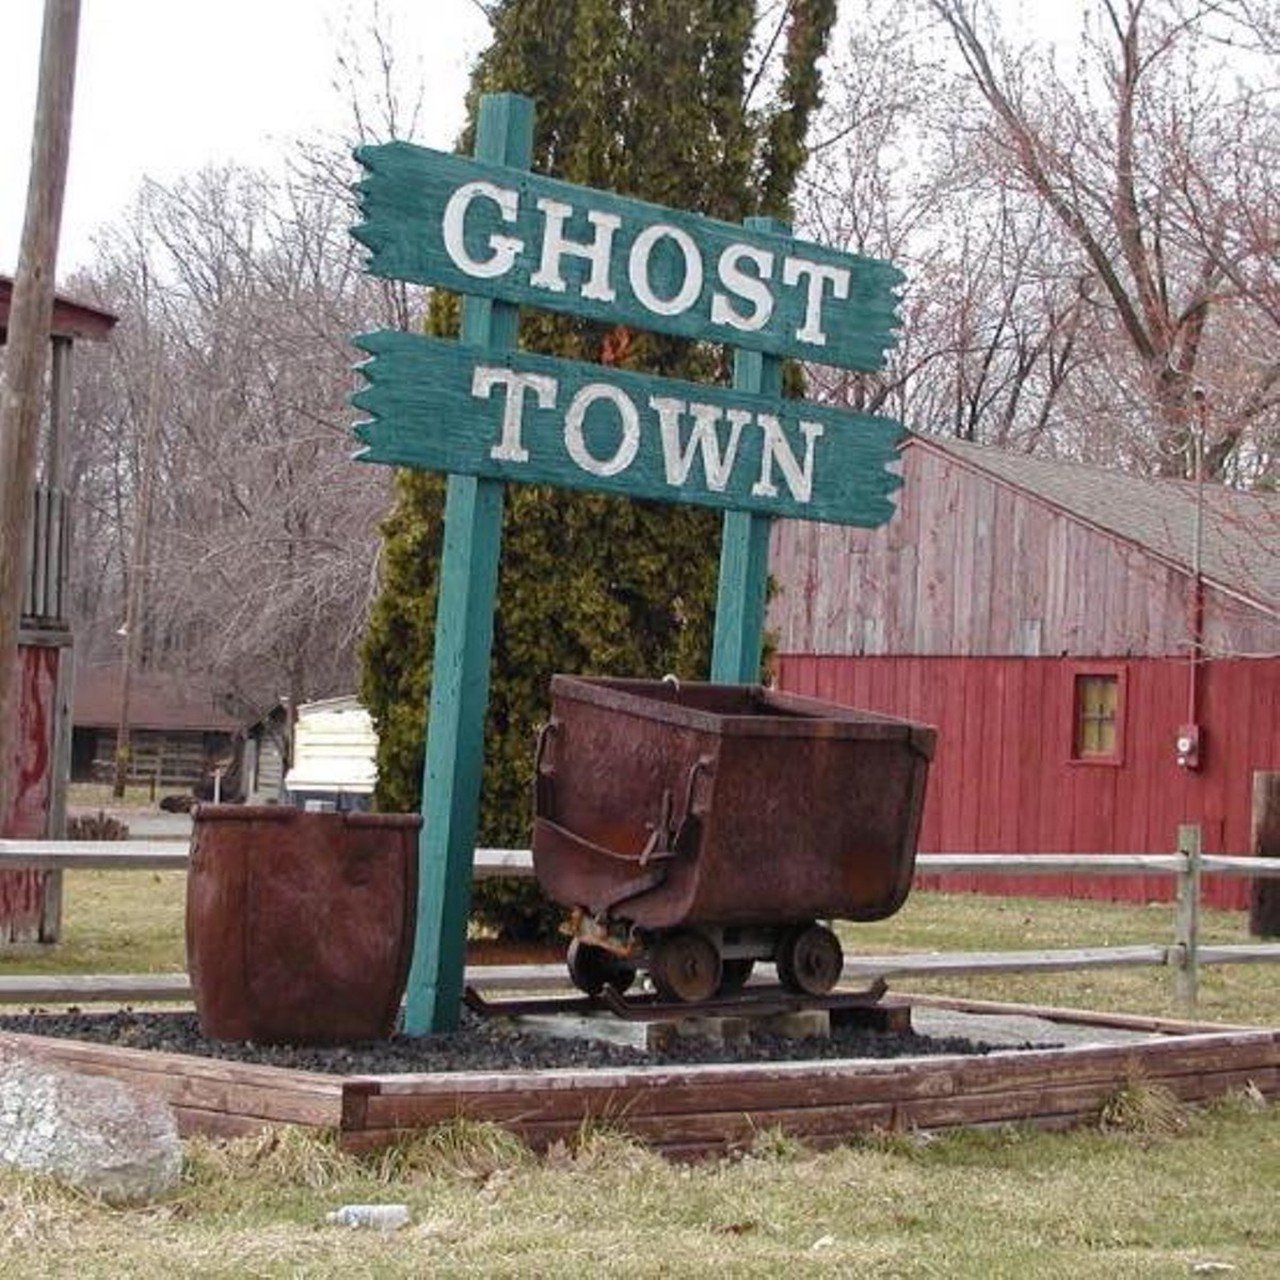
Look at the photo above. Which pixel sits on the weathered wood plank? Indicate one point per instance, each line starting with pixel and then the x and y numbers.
pixel 481 228
pixel 173 855
pixel 117 988
pixel 459 692
pixel 679 1120
pixel 673 1097
pixel 547 1096
pixel 1083 1017
pixel 85 988
pixel 268 1093
pixel 195 1067
pixel 94 855
pixel 1239 953
pixel 1055 863
pixel 856 967
pixel 218 1124
pixel 105 855
pixel 445 406
pixel 742 587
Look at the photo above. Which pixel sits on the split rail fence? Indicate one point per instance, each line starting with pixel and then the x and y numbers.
pixel 1184 956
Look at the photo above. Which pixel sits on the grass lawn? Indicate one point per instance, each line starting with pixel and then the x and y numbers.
pixel 1175 1193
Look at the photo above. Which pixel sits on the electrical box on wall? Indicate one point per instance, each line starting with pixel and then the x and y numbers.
pixel 1189 746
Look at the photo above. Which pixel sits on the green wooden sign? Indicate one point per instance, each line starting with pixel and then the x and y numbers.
pixel 445 406
pixel 491 231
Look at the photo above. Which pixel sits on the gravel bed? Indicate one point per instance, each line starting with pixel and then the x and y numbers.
pixel 480 1044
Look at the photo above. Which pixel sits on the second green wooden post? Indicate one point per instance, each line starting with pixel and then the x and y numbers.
pixel 744 547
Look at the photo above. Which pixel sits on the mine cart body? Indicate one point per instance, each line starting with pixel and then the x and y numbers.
pixel 667 805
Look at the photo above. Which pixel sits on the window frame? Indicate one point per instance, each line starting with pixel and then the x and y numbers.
pixel 1077 672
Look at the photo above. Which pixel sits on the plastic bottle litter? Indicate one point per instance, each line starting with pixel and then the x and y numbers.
pixel 381 1217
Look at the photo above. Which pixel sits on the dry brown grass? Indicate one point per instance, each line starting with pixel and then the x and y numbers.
pixel 1011 1203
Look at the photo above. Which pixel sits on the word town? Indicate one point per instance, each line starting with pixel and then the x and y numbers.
pixel 620 427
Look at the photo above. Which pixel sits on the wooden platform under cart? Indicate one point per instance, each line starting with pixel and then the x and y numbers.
pixel 689 1111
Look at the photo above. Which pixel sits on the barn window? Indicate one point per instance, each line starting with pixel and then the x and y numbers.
pixel 1099 707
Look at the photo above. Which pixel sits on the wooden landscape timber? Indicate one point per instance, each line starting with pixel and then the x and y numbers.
pixel 696 1111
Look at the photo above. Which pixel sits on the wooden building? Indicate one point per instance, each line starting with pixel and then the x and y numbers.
pixel 30 900
pixel 179 733
pixel 1099 652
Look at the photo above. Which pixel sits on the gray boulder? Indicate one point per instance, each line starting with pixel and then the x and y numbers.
pixel 92 1132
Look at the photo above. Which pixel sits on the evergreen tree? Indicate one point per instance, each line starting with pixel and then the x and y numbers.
pixel 647 99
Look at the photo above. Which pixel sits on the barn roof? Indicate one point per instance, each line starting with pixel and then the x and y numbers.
pixel 1240 549
pixel 156 701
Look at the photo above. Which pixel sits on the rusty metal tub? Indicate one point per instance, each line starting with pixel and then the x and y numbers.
pixel 666 805
pixel 300 925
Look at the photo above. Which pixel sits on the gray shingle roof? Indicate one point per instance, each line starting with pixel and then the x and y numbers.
pixel 1240 547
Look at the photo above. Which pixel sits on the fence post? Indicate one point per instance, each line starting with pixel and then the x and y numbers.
pixel 1186 926
pixel 1264 897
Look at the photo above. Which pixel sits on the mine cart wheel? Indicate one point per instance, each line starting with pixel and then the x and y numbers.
pixel 734 974
pixel 593 968
pixel 810 960
pixel 685 965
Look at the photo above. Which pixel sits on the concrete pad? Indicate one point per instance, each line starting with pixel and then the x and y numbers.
pixel 1016 1030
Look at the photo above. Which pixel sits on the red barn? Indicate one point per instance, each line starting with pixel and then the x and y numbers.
pixel 1100 652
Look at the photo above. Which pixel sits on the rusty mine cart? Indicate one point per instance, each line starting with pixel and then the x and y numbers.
pixel 697 828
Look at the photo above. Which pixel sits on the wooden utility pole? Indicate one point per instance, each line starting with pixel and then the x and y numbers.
pixel 30 318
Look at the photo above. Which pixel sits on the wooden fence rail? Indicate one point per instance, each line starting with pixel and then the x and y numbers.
pixel 1184 957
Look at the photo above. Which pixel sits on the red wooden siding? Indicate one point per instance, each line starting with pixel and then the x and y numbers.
pixel 1003 779
pixel 22 892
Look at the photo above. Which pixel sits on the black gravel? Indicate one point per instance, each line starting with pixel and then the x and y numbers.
pixel 480 1044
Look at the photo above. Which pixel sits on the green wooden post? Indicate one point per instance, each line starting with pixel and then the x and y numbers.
pixel 744 544
pixel 460 670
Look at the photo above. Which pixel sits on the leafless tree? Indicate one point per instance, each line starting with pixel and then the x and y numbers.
pixel 1156 165
pixel 991 312
pixel 237 295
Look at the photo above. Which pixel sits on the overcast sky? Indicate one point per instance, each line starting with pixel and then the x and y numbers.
pixel 166 86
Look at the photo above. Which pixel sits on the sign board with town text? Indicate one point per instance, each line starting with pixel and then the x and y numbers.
pixel 444 406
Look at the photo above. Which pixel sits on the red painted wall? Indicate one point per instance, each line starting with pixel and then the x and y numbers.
pixel 22 892
pixel 1003 779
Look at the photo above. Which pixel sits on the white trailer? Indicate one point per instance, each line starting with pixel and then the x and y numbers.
pixel 334 756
